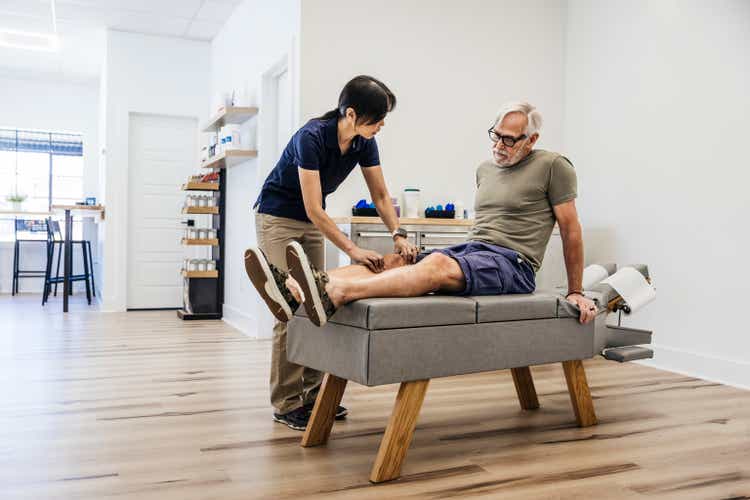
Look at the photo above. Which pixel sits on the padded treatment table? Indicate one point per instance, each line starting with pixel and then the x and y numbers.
pixel 412 340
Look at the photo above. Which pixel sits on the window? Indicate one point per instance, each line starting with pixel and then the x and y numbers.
pixel 46 167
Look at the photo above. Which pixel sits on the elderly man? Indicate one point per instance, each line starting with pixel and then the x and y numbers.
pixel 521 192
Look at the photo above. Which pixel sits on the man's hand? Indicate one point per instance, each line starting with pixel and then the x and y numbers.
pixel 405 249
pixel 373 260
pixel 587 307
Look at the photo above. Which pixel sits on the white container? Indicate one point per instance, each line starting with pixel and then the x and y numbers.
pixel 235 137
pixel 227 99
pixel 202 201
pixel 459 209
pixel 412 203
pixel 211 265
pixel 201 264
pixel 193 265
pixel 192 233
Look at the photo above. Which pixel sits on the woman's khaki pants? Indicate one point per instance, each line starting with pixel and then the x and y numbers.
pixel 291 385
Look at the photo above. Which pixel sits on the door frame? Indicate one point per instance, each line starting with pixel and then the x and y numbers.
pixel 268 115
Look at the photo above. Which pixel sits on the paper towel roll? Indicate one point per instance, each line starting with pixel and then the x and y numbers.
pixel 592 275
pixel 632 286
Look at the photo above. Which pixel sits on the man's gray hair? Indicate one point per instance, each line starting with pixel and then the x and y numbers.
pixel 533 116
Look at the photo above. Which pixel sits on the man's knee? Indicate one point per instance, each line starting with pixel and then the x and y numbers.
pixel 393 260
pixel 444 269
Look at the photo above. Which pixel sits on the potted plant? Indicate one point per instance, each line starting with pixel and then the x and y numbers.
pixel 15 200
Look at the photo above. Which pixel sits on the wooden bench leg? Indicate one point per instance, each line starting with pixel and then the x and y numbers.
pixel 580 395
pixel 525 388
pixel 398 434
pixel 320 423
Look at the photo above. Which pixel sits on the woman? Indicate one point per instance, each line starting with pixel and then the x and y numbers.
pixel 291 207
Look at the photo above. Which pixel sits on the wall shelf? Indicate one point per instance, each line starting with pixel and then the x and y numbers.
pixel 214 242
pixel 200 274
pixel 233 115
pixel 230 158
pixel 201 186
pixel 201 210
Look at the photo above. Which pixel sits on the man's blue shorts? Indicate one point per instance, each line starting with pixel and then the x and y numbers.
pixel 490 269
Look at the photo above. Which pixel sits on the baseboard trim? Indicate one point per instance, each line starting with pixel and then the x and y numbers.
pixel 245 323
pixel 735 373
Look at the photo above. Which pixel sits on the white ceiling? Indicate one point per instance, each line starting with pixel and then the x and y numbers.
pixel 80 25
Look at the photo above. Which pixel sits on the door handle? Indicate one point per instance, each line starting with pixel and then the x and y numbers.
pixel 445 235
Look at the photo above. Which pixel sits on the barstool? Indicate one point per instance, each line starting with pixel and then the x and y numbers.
pixel 55 240
pixel 26 226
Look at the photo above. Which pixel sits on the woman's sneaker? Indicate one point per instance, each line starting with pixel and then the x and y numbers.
pixel 341 412
pixel 295 419
pixel 270 282
pixel 318 304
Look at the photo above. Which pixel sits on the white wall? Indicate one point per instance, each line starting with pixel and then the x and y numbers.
pixel 142 74
pixel 255 37
pixel 656 109
pixel 54 106
pixel 451 66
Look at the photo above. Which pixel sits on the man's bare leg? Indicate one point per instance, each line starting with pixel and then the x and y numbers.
pixel 352 272
pixel 435 272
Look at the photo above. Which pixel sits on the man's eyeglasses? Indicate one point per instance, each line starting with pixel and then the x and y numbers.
pixel 508 140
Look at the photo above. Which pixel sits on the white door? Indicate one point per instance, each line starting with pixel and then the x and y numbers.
pixel 162 155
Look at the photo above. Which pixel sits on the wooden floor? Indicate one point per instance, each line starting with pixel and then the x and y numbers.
pixel 143 405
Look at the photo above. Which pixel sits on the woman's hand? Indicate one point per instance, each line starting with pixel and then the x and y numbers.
pixel 405 249
pixel 373 260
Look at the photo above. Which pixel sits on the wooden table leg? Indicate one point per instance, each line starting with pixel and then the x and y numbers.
pixel 580 396
pixel 320 423
pixel 525 388
pixel 398 434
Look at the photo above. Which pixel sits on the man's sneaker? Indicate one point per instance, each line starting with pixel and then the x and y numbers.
pixel 295 419
pixel 271 284
pixel 341 412
pixel 318 304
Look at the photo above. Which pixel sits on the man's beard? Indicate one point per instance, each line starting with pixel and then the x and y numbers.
pixel 507 161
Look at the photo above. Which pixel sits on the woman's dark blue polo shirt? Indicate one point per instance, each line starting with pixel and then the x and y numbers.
pixel 314 147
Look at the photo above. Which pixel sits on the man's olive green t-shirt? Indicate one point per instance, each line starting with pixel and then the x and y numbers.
pixel 513 204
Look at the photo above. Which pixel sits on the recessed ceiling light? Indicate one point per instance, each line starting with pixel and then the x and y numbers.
pixel 47 42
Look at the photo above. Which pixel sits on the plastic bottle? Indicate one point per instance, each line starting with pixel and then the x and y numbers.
pixel 412 201
pixel 459 209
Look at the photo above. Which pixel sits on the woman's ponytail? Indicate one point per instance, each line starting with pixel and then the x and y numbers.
pixel 334 113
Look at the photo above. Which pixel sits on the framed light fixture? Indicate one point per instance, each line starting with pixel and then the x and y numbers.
pixel 29 40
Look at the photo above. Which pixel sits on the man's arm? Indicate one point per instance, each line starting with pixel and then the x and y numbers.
pixel 572 240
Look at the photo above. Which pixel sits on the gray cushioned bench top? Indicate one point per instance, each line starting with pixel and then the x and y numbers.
pixel 444 310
